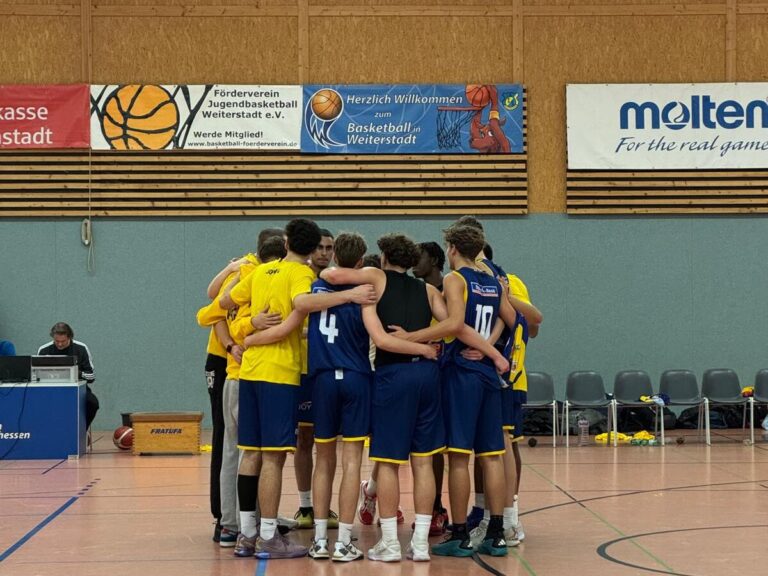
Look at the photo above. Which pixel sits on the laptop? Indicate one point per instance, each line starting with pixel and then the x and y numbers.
pixel 15 369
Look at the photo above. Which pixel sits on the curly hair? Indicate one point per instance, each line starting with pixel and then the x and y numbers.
pixel 348 248
pixel 467 240
pixel 303 236
pixel 399 250
pixel 435 253
pixel 372 260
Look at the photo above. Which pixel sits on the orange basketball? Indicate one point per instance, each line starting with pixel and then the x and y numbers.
pixel 139 117
pixel 326 104
pixel 123 437
pixel 478 95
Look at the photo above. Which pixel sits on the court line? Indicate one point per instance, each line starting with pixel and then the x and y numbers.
pixel 488 568
pixel 602 549
pixel 54 466
pixel 261 567
pixel 24 539
pixel 605 522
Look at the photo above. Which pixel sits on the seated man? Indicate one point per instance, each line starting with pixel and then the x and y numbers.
pixel 64 345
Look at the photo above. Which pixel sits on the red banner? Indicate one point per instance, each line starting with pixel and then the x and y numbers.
pixel 52 116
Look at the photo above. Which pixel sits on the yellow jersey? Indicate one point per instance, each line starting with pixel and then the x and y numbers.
pixel 517 373
pixel 210 315
pixel 274 286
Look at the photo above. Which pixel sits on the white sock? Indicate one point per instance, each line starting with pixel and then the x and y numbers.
pixel 305 499
pixel 389 529
pixel 321 529
pixel 514 505
pixel 421 530
pixel 248 524
pixel 487 515
pixel 479 500
pixel 345 533
pixel 268 527
pixel 510 517
pixel 370 488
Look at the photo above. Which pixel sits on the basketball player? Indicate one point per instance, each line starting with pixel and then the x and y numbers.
pixel 412 426
pixel 339 361
pixel 269 380
pixel 319 260
pixel 224 466
pixel 472 392
pixel 430 269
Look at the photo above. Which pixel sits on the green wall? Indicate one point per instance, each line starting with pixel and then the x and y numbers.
pixel 616 293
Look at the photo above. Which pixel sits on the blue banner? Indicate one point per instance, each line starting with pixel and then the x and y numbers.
pixel 413 119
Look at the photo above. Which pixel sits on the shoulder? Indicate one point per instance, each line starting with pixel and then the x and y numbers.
pixel 518 288
pixel 81 347
pixel 44 349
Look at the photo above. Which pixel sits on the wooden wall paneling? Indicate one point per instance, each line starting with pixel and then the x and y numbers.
pixel 751 47
pixel 392 50
pixel 226 50
pixel 40 49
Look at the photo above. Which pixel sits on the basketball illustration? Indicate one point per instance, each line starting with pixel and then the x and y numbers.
pixel 478 95
pixel 139 117
pixel 326 104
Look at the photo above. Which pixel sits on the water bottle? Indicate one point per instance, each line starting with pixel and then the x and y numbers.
pixel 583 425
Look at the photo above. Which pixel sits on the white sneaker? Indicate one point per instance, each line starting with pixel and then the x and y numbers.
pixel 510 535
pixel 319 550
pixel 418 552
pixel 386 551
pixel 477 535
pixel 519 530
pixel 346 552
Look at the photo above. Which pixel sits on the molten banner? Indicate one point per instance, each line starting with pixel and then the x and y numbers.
pixel 53 116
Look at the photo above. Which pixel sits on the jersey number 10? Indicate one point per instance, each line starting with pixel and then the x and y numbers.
pixel 483 315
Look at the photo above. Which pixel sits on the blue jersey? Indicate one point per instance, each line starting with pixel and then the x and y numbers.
pixel 501 276
pixel 514 349
pixel 482 298
pixel 336 338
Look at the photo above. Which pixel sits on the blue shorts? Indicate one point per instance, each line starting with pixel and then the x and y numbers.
pixel 267 418
pixel 512 411
pixel 304 404
pixel 342 405
pixel 472 407
pixel 406 416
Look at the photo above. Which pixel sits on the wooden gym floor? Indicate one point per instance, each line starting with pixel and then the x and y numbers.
pixel 683 509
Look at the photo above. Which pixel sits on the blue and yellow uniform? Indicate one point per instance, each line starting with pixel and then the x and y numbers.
pixel 516 395
pixel 340 370
pixel 269 375
pixel 306 385
pixel 472 389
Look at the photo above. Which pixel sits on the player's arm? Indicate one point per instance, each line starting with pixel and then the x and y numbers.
pixel 437 303
pixel 308 303
pixel 211 314
pixel 532 314
pixel 218 281
pixel 276 333
pixel 236 293
pixel 369 275
pixel 388 342
pixel 86 367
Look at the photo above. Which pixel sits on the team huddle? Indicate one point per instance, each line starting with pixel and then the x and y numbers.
pixel 421 365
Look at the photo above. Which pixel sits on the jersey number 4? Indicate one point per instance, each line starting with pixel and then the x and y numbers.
pixel 483 316
pixel 328 326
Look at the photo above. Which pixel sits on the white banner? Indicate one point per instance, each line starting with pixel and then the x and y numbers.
pixel 213 116
pixel 667 126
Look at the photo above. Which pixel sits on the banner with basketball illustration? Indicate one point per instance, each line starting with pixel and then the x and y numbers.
pixel 44 116
pixel 404 119
pixel 211 116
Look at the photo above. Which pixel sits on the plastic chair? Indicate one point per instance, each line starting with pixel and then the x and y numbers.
pixel 683 390
pixel 720 387
pixel 584 389
pixel 628 386
pixel 541 395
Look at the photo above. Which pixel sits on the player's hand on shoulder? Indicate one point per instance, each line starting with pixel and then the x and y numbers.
pixel 363 294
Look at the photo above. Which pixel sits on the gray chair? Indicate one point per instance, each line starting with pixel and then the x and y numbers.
pixel 584 389
pixel 541 396
pixel 682 387
pixel 628 386
pixel 721 387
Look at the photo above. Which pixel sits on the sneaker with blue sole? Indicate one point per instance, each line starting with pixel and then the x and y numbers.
pixel 453 547
pixel 493 547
